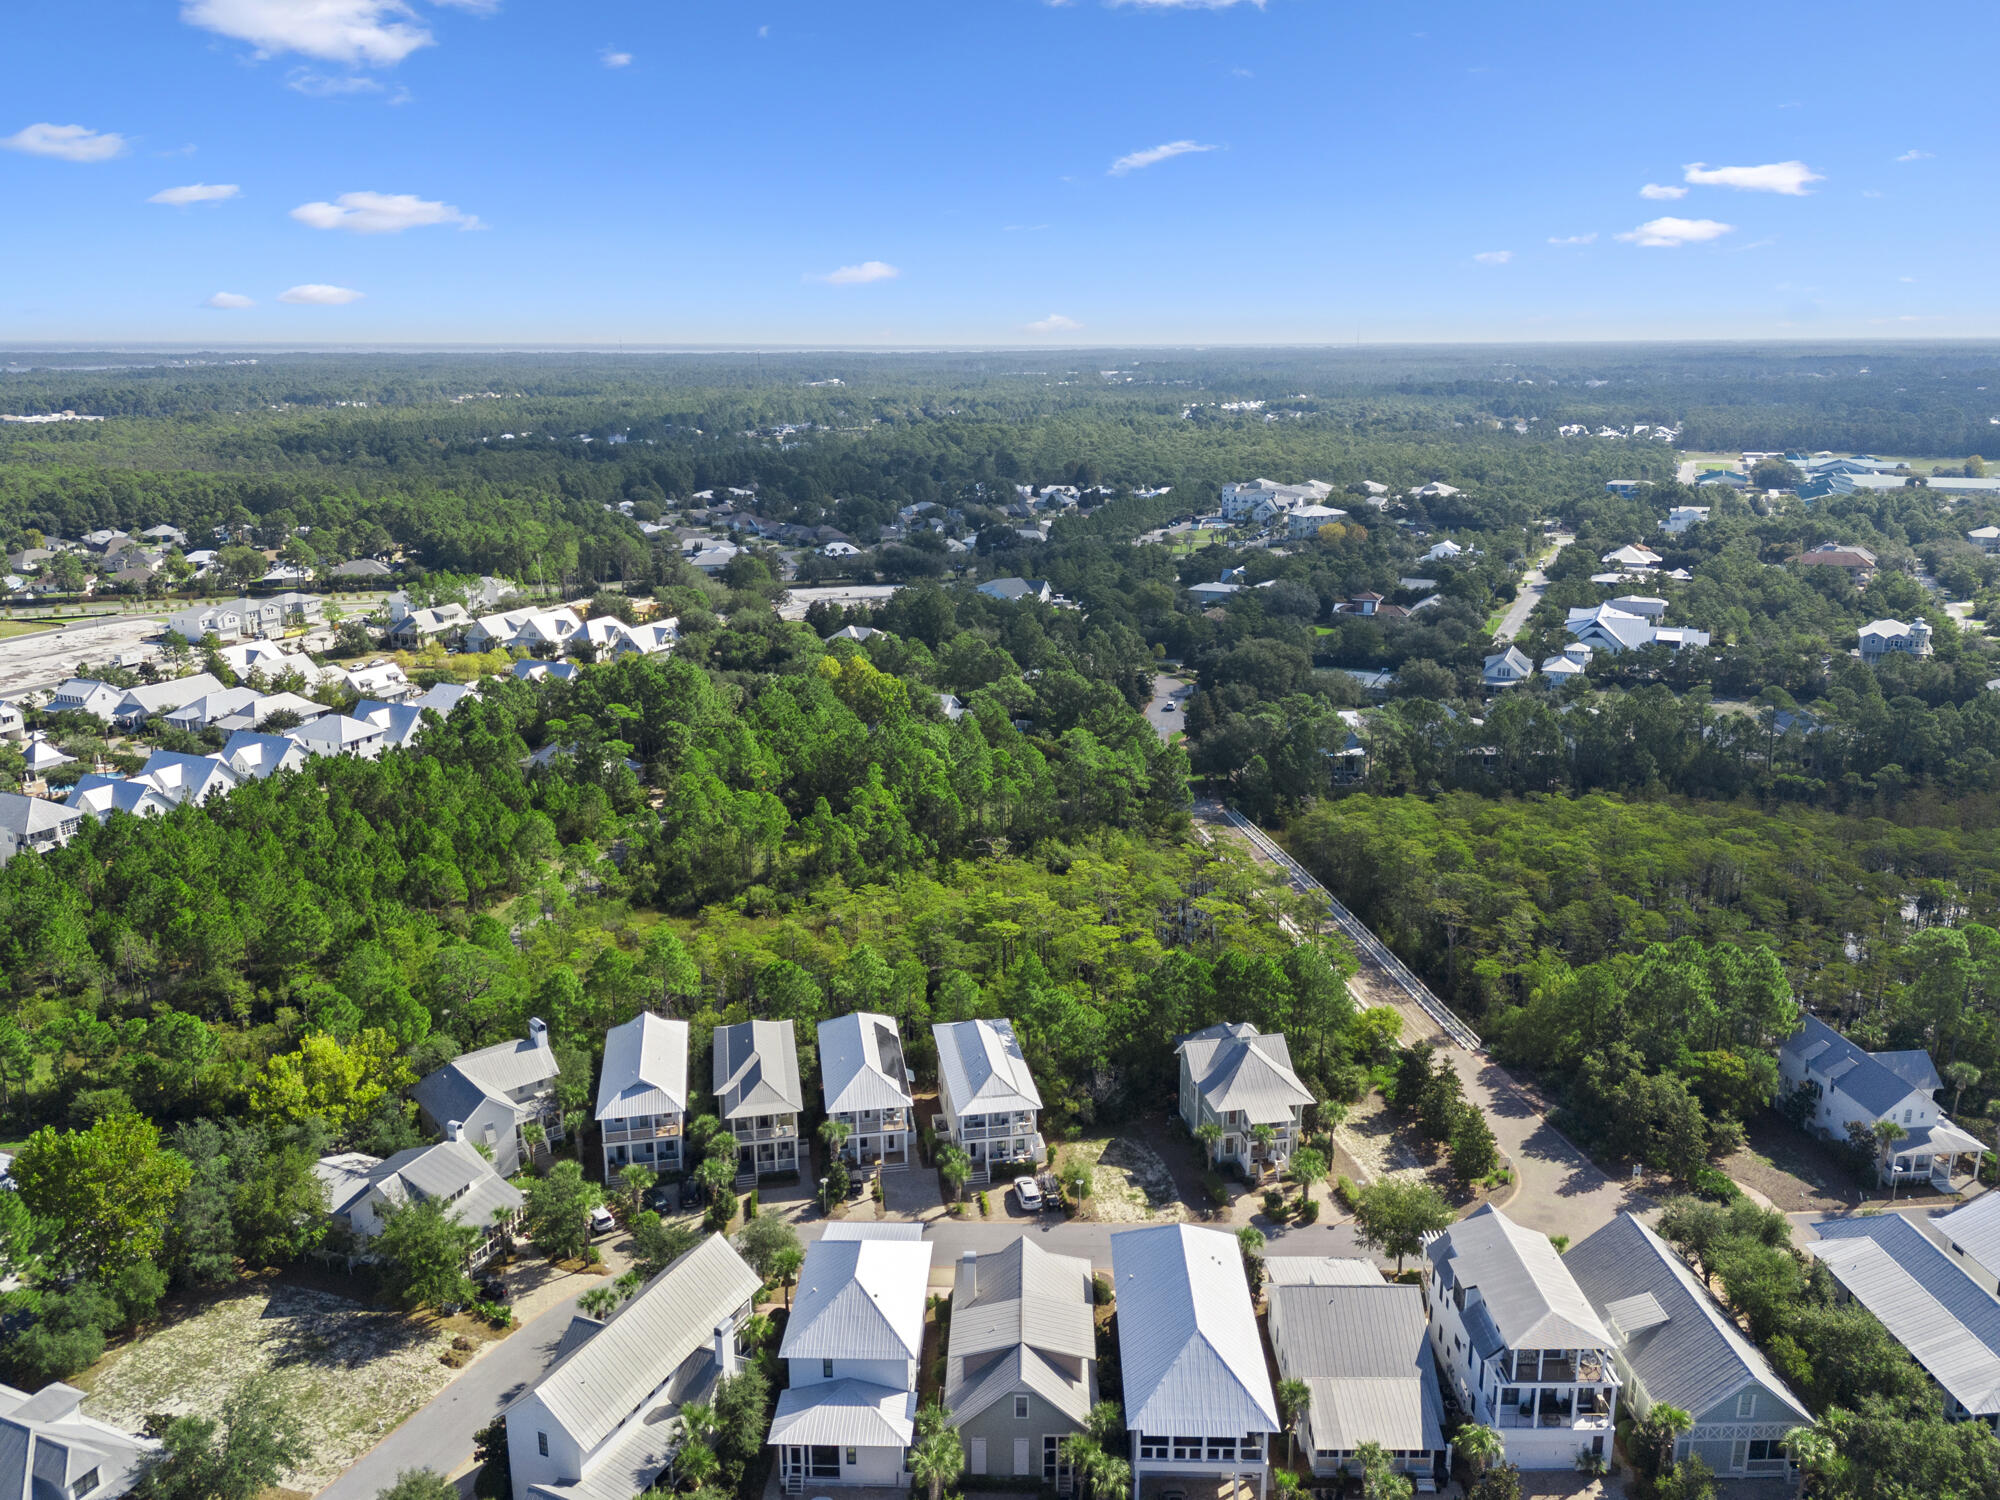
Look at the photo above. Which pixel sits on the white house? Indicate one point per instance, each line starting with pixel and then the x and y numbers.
pixel 866 1084
pixel 1681 517
pixel 187 778
pixel 1611 629
pixel 1525 1351
pixel 1505 669
pixel 642 1094
pixel 412 627
pixel 1236 1078
pixel 86 695
pixel 1574 661
pixel 1635 556
pixel 100 796
pixel 256 757
pixel 1305 521
pixel 602 1421
pixel 1985 538
pixel 35 823
pixel 1198 1399
pixel 991 1105
pixel 1012 590
pixel 530 630
pixel 142 703
pixel 1260 499
pixel 851 1347
pixel 222 620
pixel 757 1096
pixel 337 734
pixel 493 1094
pixel 1849 1087
pixel 1880 638
pixel 362 1191
pixel 52 1451
pixel 1445 551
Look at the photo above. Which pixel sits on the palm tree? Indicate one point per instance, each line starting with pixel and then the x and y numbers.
pixel 698 1420
pixel 938 1456
pixel 954 1166
pixel 636 1180
pixel 1308 1166
pixel 1264 1136
pixel 1288 1485
pixel 785 1266
pixel 1480 1446
pixel 1665 1426
pixel 1114 1476
pixel 833 1135
pixel 1210 1135
pixel 696 1464
pixel 1815 1449
pixel 1887 1133
pixel 1085 1457
pixel 1961 1076
pixel 1294 1401
pixel 598 1302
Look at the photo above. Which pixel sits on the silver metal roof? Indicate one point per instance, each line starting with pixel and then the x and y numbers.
pixel 1187 1339
pixel 981 1069
pixel 457 1088
pixel 1975 1230
pixel 1360 1348
pixel 846 1413
pixel 48 1446
pixel 593 1388
pixel 1320 1270
pixel 859 1299
pixel 1682 1347
pixel 1021 1320
pixel 1245 1071
pixel 757 1069
pixel 1877 1081
pixel 861 1063
pixel 645 1068
pixel 1523 1286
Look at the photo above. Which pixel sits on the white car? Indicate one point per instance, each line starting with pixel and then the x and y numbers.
pixel 1030 1194
pixel 601 1221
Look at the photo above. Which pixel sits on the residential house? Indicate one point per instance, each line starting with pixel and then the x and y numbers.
pixel 34 823
pixel 1973 1231
pixel 1674 1345
pixel 1573 662
pixel 602 1422
pixel 1261 499
pixel 1635 556
pixel 1880 638
pixel 1304 522
pixel 851 1346
pixel 337 734
pixel 1985 538
pixel 208 708
pixel 1012 590
pixel 1213 593
pixel 494 1094
pixel 270 658
pixel 42 755
pixel 1358 1343
pixel 362 567
pixel 258 757
pixel 536 631
pixel 1611 629
pixel 530 670
pixel 101 796
pixel 1625 487
pixel 100 541
pixel 757 1095
pixel 1853 1091
pixel 363 1191
pixel 855 633
pixel 1445 551
pixel 1348 760
pixel 1857 562
pixel 413 627
pixel 1948 1322
pixel 1526 1352
pixel 1198 1399
pixel 991 1106
pixel 1681 517
pixel 197 621
pixel 1645 606
pixel 1728 479
pixel 866 1084
pixel 1505 669
pixel 49 1450
pixel 86 695
pixel 1238 1079
pixel 187 778
pixel 13 723
pixel 642 1094
pixel 142 703
pixel 1435 490
pixel 1022 1372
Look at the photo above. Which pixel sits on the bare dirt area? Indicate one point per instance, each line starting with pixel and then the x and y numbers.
pixel 1796 1173
pixel 1381 1144
pixel 350 1371
pixel 1129 1182
pixel 32 662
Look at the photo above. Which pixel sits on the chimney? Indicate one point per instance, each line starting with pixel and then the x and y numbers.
pixel 725 1349
pixel 538 1031
pixel 968 1272
pixel 454 1130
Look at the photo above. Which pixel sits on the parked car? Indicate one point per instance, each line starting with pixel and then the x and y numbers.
pixel 601 1221
pixel 490 1288
pixel 1030 1193
pixel 662 1198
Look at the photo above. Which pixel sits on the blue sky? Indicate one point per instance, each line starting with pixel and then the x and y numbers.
pixel 992 171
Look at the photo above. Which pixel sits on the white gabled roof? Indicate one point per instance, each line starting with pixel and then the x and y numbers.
pixel 845 1414
pixel 981 1067
pixel 1974 1231
pixel 756 1070
pixel 1526 1297
pixel 1239 1068
pixel 861 1063
pixel 645 1068
pixel 859 1299
pixel 1187 1339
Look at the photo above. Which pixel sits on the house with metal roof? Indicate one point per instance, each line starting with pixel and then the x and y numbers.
pixel 1358 1343
pixel 1948 1322
pixel 1850 1089
pixel 1526 1352
pixel 1022 1371
pixel 1235 1077
pixel 642 1094
pixel 494 1094
pixel 866 1084
pixel 991 1105
pixel 1673 1344
pixel 603 1422
pixel 363 1191
pixel 1880 638
pixel 1013 590
pixel 851 1348
pixel 187 778
pixel 338 734
pixel 757 1094
pixel 35 823
pixel 1198 1399
pixel 142 703
pixel 257 757
pixel 101 796
pixel 1505 669
pixel 1974 1234
pixel 49 1450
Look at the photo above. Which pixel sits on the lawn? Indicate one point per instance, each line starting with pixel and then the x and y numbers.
pixel 351 1371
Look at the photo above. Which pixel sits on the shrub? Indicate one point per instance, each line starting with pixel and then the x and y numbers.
pixel 1309 1211
pixel 1274 1204
pixel 1100 1290
pixel 985 1208
pixel 1349 1194
pixel 1218 1192
pixel 1713 1183
pixel 750 1206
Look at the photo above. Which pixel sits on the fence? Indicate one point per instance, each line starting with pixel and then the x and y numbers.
pixel 1356 932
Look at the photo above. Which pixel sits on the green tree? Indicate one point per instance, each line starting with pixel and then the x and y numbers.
pixel 785 1267
pixel 1294 1401
pixel 599 1302
pixel 763 1240
pixel 1308 1166
pixel 558 1209
pixel 1480 1446
pixel 419 1484
pixel 938 1456
pixel 104 1194
pixel 256 1441
pixel 1379 1479
pixel 635 1179
pixel 1393 1216
pixel 423 1252
pixel 338 1083
pixel 1475 1155
pixel 954 1166
pixel 1664 1426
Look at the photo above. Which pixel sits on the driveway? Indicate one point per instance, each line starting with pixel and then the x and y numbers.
pixel 1170 696
pixel 1534 584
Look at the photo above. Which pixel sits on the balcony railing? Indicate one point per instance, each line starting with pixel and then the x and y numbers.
pixel 868 1120
pixel 745 1134
pixel 989 1130
pixel 641 1130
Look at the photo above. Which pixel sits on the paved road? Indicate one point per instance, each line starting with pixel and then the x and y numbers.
pixel 439 1436
pixel 1684 471
pixel 1534 584
pixel 1167 690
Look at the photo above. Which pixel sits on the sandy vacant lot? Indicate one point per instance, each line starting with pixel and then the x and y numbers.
pixel 31 662
pixel 352 1372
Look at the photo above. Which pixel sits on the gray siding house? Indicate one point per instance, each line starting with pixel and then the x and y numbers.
pixel 1022 1371
pixel 492 1094
pixel 1672 1344
pixel 642 1094
pixel 757 1094
pixel 1238 1078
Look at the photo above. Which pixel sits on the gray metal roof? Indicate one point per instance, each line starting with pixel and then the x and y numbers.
pixel 1021 1321
pixel 1361 1350
pixel 866 1230
pixel 451 1172
pixel 599 1382
pixel 1529 1296
pixel 22 816
pixel 981 1069
pixel 859 1299
pixel 1320 1270
pixel 1192 1360
pixel 846 1413
pixel 1875 1083
pixel 861 1063
pixel 1975 1230
pixel 457 1088
pixel 1243 1070
pixel 757 1069
pixel 48 1447
pixel 645 1068
pixel 1948 1322
pixel 1674 1338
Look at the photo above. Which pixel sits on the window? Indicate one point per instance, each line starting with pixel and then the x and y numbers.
pixel 84 1486
pixel 542 1444
pixel 1907 1114
pixel 826 1369
pixel 1020 1408
pixel 1766 1450
pixel 1746 1406
pixel 1222 1449
pixel 1152 1447
pixel 1054 1470
pixel 853 1457
pixel 824 1463
pixel 1187 1450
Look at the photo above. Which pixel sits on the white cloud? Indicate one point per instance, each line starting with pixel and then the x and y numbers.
pixel 70 142
pixel 1787 177
pixel 360 33
pixel 196 192
pixel 762 32
pixel 1671 232
pixel 382 213
pixel 230 301
pixel 1054 323
pixel 1154 154
pixel 1494 257
pixel 616 59
pixel 1574 239
pixel 1914 155
pixel 860 275
pixel 319 86
pixel 318 294
pixel 1662 190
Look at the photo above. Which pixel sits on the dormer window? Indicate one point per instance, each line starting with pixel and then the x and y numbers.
pixel 84 1485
